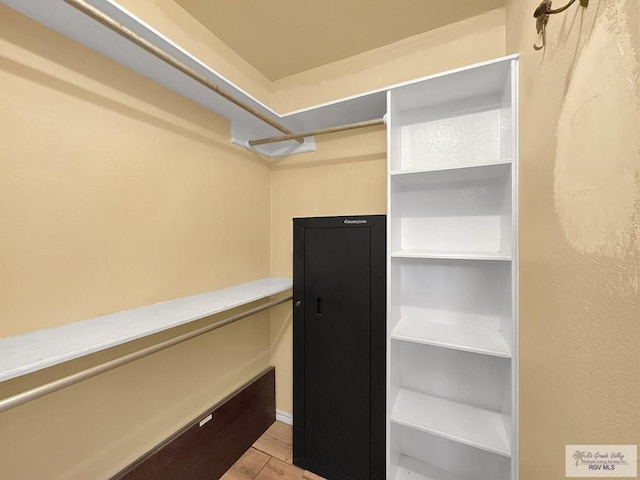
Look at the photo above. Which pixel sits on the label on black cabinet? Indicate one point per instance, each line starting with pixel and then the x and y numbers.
pixel 359 221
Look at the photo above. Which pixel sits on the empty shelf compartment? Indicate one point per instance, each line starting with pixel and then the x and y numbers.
pixel 471 426
pixel 462 210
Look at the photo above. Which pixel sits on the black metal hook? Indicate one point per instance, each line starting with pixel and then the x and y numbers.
pixel 542 14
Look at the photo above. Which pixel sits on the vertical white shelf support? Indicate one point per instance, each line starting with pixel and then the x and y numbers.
pixel 452 275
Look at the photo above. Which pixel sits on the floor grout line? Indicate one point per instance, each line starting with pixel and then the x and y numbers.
pixel 263 467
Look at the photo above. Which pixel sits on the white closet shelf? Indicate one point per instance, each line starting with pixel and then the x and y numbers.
pixel 362 107
pixel 468 339
pixel 65 19
pixel 410 468
pixel 23 354
pixel 453 255
pixel 454 421
pixel 468 173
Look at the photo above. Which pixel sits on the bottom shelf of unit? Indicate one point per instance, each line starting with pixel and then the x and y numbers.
pixel 468 425
pixel 410 468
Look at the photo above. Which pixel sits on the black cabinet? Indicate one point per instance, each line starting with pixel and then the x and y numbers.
pixel 339 346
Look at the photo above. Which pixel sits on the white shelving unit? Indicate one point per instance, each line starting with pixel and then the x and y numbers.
pixel 452 275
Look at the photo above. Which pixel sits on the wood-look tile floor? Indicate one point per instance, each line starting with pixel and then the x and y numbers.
pixel 269 459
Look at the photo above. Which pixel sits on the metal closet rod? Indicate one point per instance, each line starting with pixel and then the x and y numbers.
pixel 141 42
pixel 134 38
pixel 59 384
pixel 321 131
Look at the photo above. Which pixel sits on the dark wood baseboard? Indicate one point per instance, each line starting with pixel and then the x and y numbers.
pixel 205 452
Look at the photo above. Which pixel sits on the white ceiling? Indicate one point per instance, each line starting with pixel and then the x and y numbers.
pixel 284 37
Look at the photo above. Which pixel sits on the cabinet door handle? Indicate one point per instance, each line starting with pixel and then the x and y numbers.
pixel 319 306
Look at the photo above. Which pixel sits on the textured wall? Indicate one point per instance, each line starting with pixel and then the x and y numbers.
pixel 579 217
pixel 114 193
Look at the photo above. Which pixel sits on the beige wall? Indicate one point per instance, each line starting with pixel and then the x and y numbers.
pixel 114 193
pixel 579 252
pixel 470 41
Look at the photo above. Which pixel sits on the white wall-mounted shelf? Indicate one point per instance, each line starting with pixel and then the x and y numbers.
pixel 23 354
pixel 466 338
pixel 65 19
pixel 471 426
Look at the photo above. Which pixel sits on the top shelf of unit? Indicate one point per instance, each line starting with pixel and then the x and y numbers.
pixel 490 81
pixel 465 173
pixel 28 353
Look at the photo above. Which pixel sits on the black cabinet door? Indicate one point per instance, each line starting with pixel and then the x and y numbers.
pixel 339 346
